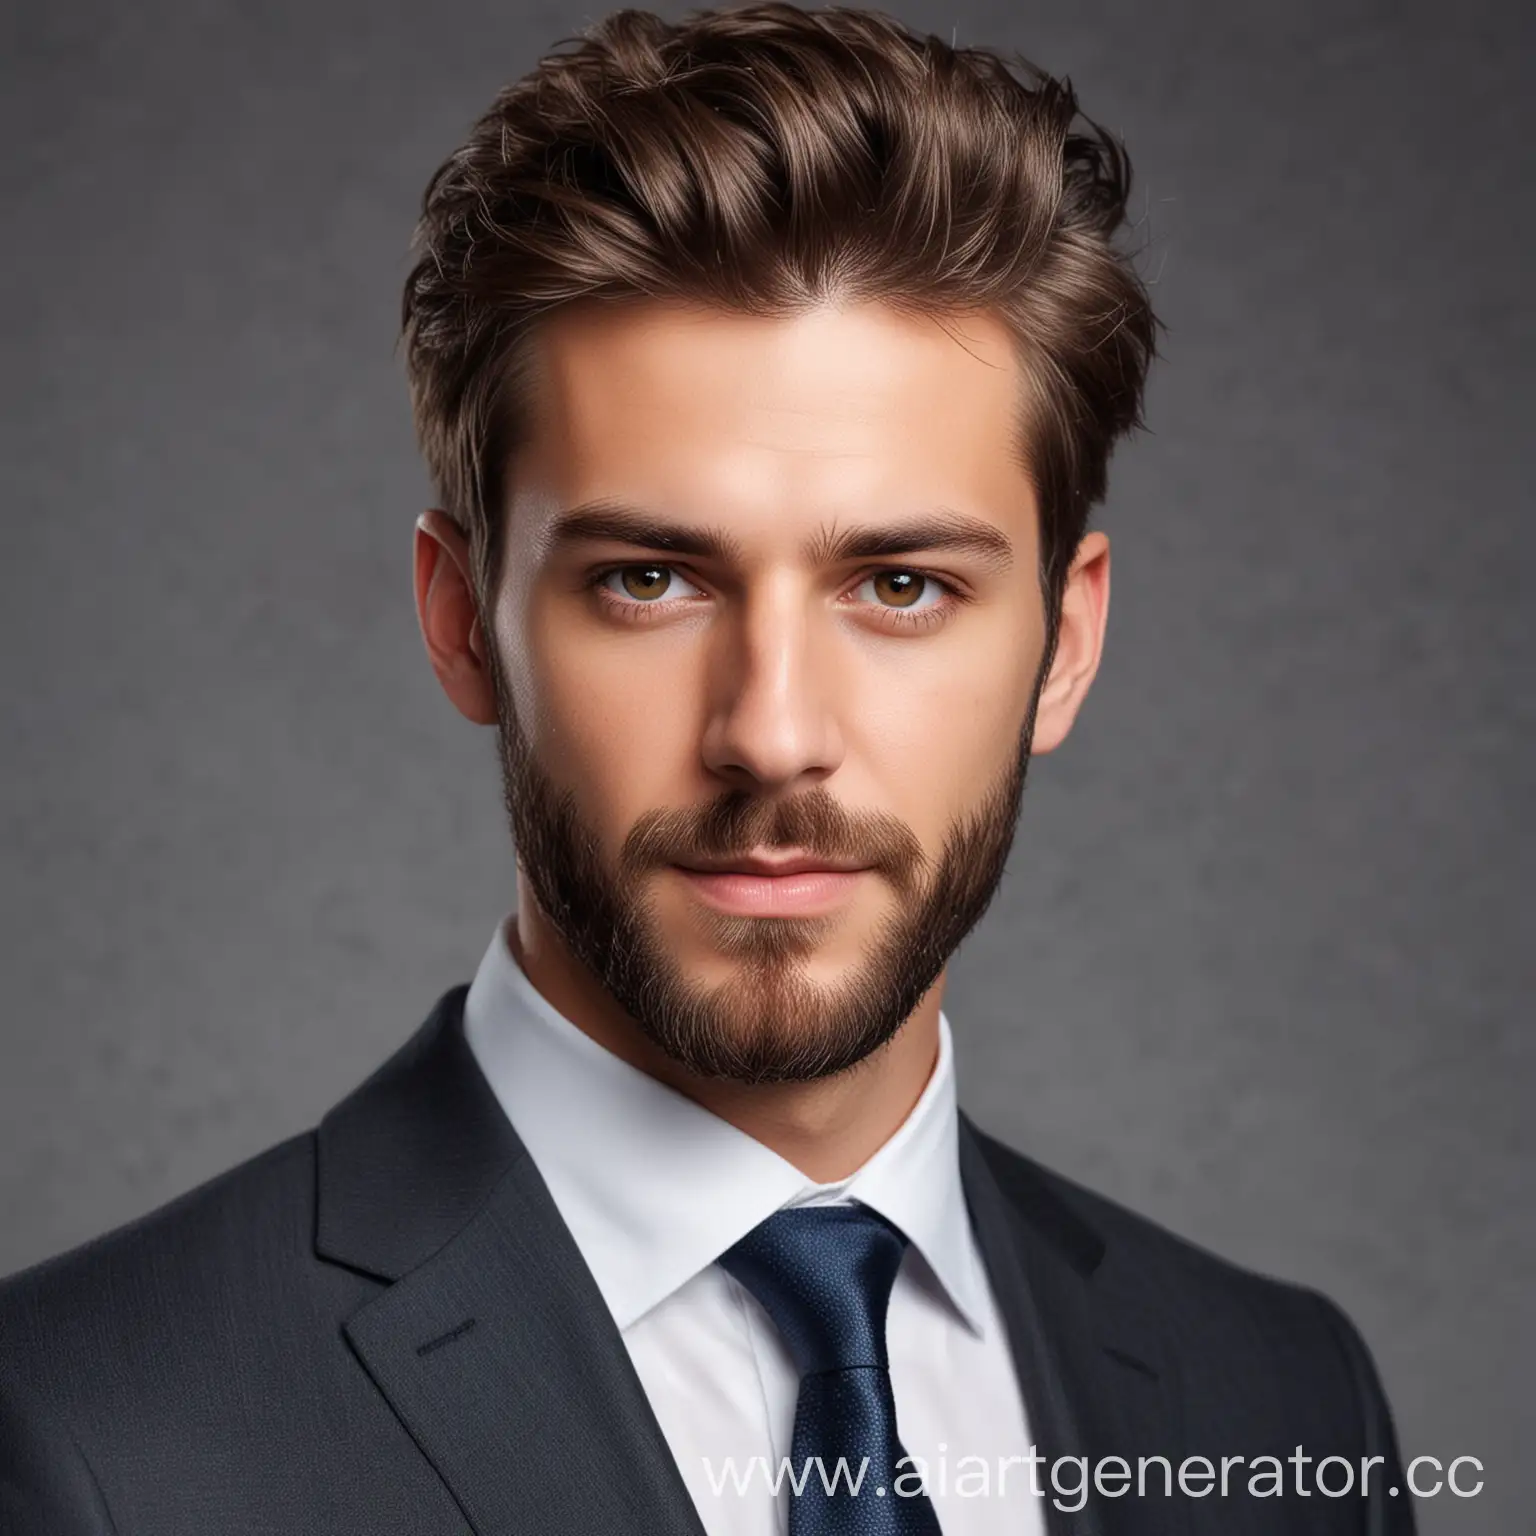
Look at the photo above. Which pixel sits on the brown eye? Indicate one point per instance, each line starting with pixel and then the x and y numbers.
pixel 903 588
pixel 646 581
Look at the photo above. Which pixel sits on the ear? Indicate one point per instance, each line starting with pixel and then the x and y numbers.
pixel 450 622
pixel 1079 644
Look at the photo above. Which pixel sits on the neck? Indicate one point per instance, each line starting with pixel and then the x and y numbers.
pixel 827 1129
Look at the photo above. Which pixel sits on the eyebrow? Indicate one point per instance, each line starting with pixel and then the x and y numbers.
pixel 942 528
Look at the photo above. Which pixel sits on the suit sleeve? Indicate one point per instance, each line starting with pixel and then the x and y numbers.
pixel 1384 1514
pixel 47 1487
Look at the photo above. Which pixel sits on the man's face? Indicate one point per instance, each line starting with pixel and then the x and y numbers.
pixel 769 588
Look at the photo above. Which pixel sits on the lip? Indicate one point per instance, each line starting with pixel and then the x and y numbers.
pixel 773 866
pixel 800 888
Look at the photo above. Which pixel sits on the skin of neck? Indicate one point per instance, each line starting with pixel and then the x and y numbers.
pixel 828 1128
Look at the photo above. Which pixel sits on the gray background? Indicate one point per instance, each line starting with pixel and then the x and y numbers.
pixel 1262 961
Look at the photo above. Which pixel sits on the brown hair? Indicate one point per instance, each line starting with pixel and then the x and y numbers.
pixel 765 159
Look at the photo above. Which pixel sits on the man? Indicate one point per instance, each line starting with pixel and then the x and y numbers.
pixel 767 366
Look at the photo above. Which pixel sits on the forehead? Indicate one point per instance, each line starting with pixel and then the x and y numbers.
pixel 857 409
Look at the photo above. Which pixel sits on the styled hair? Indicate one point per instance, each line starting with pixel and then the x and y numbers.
pixel 766 159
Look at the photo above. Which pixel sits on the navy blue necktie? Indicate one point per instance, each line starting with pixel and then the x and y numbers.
pixel 824 1274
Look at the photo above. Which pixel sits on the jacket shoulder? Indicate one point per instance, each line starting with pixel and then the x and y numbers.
pixel 1263 1348
pixel 164 1273
pixel 1133 1241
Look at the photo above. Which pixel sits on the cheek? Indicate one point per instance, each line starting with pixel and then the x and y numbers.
pixel 622 741
pixel 940 735
pixel 934 767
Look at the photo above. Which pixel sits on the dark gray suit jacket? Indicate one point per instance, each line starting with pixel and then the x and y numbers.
pixel 383 1327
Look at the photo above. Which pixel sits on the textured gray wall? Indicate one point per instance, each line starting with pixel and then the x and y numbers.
pixel 1262 961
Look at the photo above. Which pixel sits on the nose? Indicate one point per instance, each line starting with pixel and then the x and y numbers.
pixel 774 678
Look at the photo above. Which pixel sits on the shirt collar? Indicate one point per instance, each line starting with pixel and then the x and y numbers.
pixel 654 1187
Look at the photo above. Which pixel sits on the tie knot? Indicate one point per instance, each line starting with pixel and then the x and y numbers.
pixel 823 1274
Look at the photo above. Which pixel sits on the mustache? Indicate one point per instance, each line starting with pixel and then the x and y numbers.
pixel 738 823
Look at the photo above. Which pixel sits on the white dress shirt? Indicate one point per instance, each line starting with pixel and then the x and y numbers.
pixel 654 1188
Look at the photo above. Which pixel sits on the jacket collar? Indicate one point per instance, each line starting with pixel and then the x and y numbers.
pixel 407 1158
pixel 423 1183
pixel 492 1344
pixel 1096 1375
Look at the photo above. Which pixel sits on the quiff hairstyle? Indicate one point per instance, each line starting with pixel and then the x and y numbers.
pixel 766 159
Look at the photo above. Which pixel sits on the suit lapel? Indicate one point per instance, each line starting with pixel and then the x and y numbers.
pixel 1094 1374
pixel 496 1351
pixel 493 1345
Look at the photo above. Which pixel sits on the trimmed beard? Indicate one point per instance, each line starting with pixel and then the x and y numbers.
pixel 770 1022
